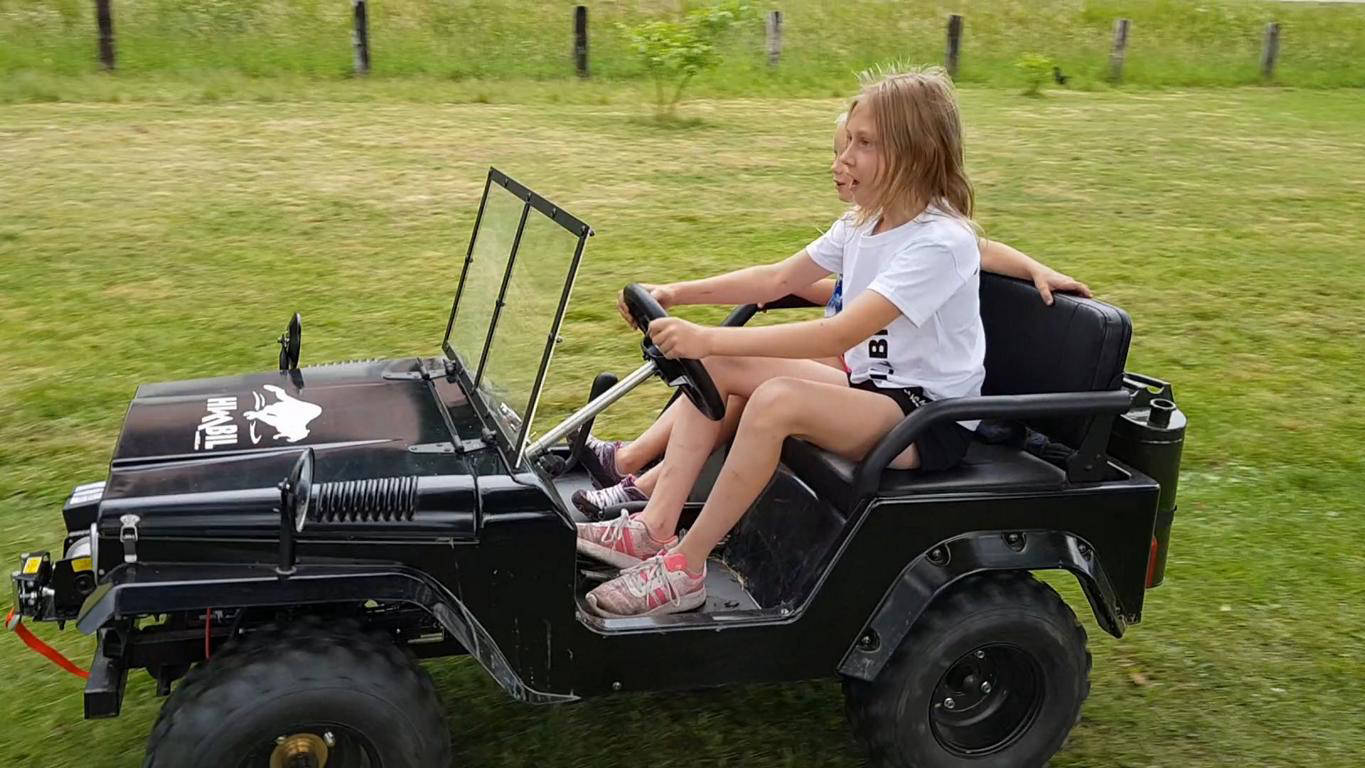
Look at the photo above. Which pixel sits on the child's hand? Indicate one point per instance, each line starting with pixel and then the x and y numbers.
pixel 661 293
pixel 1049 280
pixel 679 339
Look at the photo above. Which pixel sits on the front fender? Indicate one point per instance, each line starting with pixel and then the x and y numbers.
pixel 950 561
pixel 141 589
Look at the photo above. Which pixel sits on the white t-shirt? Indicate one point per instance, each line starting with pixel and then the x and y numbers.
pixel 930 268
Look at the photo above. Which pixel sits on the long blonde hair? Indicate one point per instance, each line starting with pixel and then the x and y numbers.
pixel 921 131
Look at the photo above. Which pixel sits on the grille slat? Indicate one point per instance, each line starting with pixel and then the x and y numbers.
pixel 373 500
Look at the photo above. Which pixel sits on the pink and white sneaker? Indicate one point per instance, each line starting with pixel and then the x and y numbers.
pixel 623 542
pixel 658 586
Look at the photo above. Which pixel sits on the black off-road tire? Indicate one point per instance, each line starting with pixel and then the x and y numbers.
pixel 1023 632
pixel 281 680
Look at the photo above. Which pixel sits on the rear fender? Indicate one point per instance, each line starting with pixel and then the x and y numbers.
pixel 138 590
pixel 935 571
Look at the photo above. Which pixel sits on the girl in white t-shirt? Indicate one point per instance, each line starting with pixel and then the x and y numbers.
pixel 613 465
pixel 910 331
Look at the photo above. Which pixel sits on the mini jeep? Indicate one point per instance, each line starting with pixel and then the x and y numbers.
pixel 277 550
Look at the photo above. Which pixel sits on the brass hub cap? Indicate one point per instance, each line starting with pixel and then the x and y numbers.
pixel 300 750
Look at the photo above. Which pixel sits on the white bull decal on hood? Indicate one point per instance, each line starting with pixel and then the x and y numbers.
pixel 288 415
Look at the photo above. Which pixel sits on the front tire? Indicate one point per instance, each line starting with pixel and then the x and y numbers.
pixel 306 694
pixel 993 675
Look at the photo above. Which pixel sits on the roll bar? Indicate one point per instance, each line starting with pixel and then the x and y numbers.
pixel 867 475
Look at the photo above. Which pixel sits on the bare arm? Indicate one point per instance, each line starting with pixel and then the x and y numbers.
pixel 818 292
pixel 751 285
pixel 1003 260
pixel 826 337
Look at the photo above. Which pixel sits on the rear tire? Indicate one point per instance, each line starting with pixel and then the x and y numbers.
pixel 993 675
pixel 306 682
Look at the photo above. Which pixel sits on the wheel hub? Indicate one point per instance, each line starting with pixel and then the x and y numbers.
pixel 968 683
pixel 986 700
pixel 300 750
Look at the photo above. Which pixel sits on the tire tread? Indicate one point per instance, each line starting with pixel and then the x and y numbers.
pixel 214 691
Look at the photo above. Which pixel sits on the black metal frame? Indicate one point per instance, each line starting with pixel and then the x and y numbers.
pixel 514 437
pixel 1102 405
pixel 468 257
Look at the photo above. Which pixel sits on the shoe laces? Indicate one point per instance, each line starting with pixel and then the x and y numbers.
pixel 650 575
pixel 616 530
pixel 602 449
pixel 610 496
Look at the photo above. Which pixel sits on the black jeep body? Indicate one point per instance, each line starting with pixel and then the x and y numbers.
pixel 428 523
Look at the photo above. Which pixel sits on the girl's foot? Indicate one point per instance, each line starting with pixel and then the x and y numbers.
pixel 593 503
pixel 622 542
pixel 655 587
pixel 599 458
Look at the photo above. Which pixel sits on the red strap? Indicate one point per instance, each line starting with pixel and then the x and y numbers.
pixel 16 623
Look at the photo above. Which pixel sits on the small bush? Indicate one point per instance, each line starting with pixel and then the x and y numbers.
pixel 1034 69
pixel 674 52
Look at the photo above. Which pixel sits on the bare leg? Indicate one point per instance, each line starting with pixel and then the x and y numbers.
pixel 734 408
pixel 834 416
pixel 634 455
pixel 694 436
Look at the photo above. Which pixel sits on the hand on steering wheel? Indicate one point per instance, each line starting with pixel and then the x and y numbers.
pixel 661 293
pixel 642 310
pixel 679 339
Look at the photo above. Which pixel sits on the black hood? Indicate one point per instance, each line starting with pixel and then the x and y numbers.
pixel 323 407
pixel 207 453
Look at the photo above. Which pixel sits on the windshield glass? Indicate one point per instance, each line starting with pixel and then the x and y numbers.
pixel 493 237
pixel 531 312
pixel 525 251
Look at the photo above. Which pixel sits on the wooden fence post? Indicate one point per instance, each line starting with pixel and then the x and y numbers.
pixel 954 44
pixel 362 38
pixel 580 39
pixel 1271 51
pixel 104 17
pixel 774 38
pixel 1120 50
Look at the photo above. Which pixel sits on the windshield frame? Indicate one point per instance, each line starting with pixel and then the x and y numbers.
pixel 512 427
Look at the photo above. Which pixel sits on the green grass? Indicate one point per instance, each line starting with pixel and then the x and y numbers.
pixel 159 242
pixel 49 45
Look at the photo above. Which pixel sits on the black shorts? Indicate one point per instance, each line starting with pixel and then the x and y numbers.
pixel 942 445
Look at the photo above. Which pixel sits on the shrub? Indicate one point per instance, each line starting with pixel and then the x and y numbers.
pixel 675 51
pixel 1034 69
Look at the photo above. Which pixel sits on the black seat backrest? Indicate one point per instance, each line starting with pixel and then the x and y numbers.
pixel 1075 345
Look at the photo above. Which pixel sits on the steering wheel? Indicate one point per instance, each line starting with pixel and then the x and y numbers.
pixel 688 375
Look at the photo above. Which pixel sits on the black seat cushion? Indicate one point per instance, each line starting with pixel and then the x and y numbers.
pixel 985 467
pixel 1075 345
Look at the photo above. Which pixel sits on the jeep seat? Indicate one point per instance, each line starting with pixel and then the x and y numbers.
pixel 1075 345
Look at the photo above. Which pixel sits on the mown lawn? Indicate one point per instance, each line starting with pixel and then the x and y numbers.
pixel 156 242
pixel 1172 42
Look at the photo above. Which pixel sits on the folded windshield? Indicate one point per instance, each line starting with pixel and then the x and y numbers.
pixel 510 301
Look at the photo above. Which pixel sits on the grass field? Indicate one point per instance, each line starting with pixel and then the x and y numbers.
pixel 156 242
pixel 225 47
